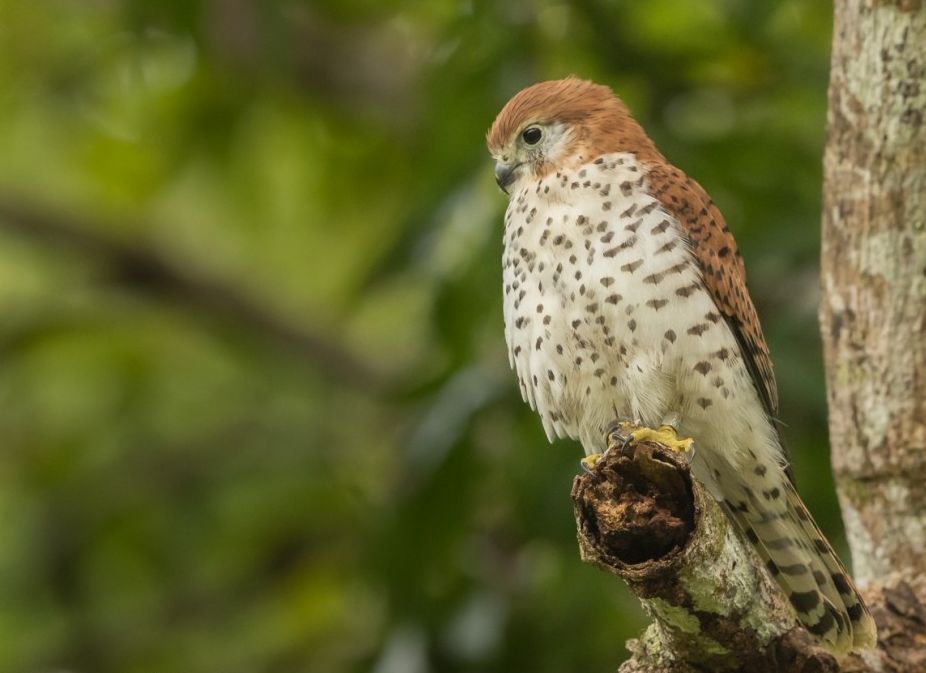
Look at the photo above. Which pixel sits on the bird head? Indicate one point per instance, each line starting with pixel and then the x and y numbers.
pixel 557 125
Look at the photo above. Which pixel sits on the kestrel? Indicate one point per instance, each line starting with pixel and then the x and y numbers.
pixel 625 299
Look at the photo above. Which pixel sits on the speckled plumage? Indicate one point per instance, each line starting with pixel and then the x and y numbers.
pixel 625 298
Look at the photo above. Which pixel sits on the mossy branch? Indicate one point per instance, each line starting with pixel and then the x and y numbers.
pixel 642 517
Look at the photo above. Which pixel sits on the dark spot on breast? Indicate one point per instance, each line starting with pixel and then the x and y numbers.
pixel 699 329
pixel 687 290
pixel 667 247
pixel 670 336
pixel 661 227
pixel 703 367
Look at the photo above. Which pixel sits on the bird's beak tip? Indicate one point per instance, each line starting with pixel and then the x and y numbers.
pixel 504 175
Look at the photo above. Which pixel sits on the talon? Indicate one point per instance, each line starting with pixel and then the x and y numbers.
pixel 622 434
pixel 590 461
pixel 626 433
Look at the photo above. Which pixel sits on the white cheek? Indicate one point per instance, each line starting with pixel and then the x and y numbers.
pixel 557 143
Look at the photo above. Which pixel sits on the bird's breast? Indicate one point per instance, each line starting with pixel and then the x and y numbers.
pixel 599 291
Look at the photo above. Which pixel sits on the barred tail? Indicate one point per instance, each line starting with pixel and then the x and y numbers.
pixel 776 522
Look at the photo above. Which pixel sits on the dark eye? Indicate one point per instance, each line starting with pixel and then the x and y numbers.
pixel 532 135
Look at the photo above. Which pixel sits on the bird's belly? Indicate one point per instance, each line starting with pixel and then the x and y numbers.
pixel 605 314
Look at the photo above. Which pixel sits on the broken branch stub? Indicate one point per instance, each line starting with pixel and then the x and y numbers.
pixel 642 517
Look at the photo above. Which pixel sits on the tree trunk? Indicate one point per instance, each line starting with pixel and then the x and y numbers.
pixel 873 320
pixel 873 312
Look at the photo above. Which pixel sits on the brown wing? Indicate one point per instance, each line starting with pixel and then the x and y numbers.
pixel 722 268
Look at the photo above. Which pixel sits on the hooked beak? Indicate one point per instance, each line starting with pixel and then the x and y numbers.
pixel 505 174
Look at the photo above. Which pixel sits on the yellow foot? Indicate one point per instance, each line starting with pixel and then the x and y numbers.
pixel 627 433
pixel 590 461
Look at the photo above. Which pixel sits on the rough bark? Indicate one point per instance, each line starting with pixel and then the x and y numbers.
pixel 642 517
pixel 873 313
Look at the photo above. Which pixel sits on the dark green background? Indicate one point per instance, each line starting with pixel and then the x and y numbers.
pixel 183 489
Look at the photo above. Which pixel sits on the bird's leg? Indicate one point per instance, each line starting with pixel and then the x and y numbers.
pixel 626 434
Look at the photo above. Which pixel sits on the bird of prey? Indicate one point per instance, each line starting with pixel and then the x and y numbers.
pixel 625 299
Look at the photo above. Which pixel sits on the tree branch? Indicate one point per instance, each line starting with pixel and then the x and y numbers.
pixel 641 516
pixel 147 271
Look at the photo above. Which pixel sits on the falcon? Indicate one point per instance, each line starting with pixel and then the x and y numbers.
pixel 625 301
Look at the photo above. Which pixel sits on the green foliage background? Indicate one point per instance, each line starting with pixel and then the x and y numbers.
pixel 312 455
